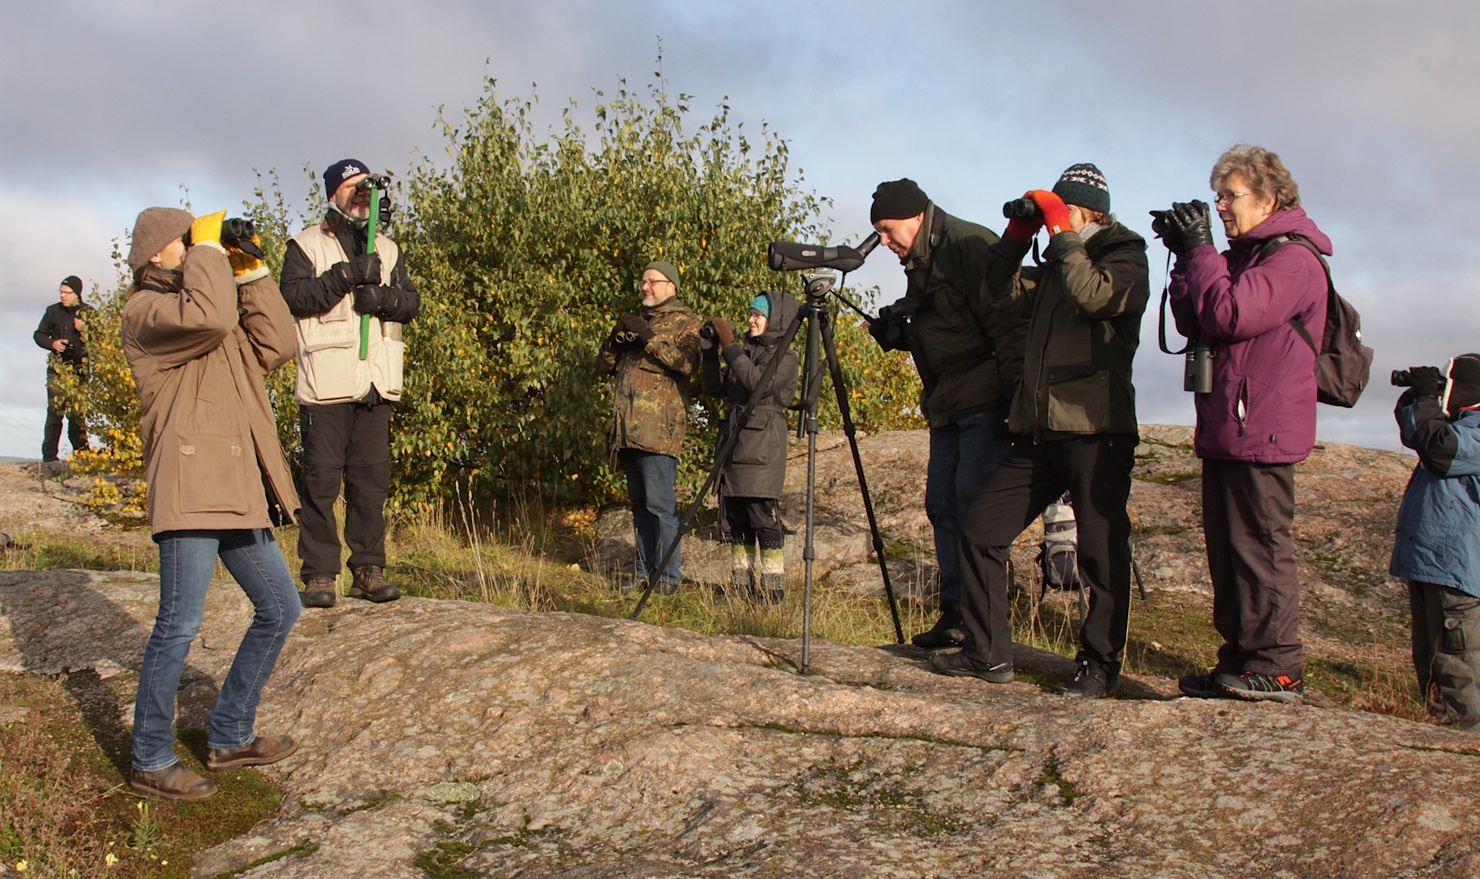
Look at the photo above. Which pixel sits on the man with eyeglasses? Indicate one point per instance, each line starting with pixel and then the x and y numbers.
pixel 652 354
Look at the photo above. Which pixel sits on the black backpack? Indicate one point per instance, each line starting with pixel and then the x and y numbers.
pixel 1343 363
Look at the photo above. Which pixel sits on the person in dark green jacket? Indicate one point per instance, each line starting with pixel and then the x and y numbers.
pixel 752 476
pixel 1073 422
pixel 969 356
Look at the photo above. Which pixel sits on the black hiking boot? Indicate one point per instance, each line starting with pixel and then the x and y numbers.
pixel 962 666
pixel 1092 682
pixel 945 634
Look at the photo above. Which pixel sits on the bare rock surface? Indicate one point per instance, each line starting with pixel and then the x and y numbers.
pixel 560 745
pixel 458 739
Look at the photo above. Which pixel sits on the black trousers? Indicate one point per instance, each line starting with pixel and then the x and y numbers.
pixel 1247 511
pixel 1097 469
pixel 348 444
pixel 56 411
pixel 753 520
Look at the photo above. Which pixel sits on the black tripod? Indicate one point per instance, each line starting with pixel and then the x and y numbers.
pixel 818 285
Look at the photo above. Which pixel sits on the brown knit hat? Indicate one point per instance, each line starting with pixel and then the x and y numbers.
pixel 153 230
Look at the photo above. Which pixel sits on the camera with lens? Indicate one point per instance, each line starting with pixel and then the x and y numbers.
pixel 1197 371
pixel 1021 209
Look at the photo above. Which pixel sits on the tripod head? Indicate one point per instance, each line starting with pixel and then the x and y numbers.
pixel 818 284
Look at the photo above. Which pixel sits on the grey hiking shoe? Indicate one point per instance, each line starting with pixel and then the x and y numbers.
pixel 1256 687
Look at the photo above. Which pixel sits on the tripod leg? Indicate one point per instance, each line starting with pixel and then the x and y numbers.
pixel 840 389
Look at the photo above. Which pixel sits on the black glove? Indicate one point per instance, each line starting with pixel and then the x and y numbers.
pixel 379 301
pixel 723 332
pixel 637 326
pixel 1427 381
pixel 361 270
pixel 1192 225
pixel 1162 227
pixel 891 329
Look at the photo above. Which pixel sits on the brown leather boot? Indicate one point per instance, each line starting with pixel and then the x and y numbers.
pixel 172 783
pixel 370 584
pixel 318 592
pixel 262 751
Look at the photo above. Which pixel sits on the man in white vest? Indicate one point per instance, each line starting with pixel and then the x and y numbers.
pixel 349 301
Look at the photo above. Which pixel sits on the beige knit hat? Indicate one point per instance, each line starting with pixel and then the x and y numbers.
pixel 153 230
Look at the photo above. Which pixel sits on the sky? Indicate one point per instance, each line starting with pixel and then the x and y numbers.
pixel 1374 107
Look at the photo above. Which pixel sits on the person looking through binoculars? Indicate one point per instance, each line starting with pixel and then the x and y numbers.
pixel 1258 418
pixel 202 325
pixel 346 283
pixel 653 355
pixel 969 356
pixel 1437 546
pixel 1073 421
pixel 751 480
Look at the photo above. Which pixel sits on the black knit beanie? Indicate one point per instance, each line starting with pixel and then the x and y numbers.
pixel 1085 186
pixel 74 283
pixel 898 200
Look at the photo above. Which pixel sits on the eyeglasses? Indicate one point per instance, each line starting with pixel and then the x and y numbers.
pixel 1228 198
pixel 647 283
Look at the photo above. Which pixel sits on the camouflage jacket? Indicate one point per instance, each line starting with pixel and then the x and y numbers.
pixel 651 405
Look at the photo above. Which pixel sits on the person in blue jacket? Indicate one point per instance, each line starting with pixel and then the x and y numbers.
pixel 1437 548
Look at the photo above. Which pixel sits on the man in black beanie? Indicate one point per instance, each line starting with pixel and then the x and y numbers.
pixel 969 356
pixel 60 333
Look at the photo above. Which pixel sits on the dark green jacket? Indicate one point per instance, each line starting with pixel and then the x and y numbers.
pixel 651 402
pixel 1085 305
pixel 757 465
pixel 969 354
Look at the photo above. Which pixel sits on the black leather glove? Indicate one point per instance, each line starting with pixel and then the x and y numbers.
pixel 361 270
pixel 1192 224
pixel 1161 225
pixel 378 301
pixel 1427 381
pixel 637 326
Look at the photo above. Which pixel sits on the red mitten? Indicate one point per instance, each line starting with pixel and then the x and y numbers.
pixel 1055 212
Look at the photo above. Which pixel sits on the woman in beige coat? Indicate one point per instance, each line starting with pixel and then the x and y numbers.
pixel 201 332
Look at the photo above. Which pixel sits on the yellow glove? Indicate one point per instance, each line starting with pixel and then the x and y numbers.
pixel 207 228
pixel 244 266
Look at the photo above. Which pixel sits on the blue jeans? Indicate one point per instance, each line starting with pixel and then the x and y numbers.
pixel 963 457
pixel 187 559
pixel 650 479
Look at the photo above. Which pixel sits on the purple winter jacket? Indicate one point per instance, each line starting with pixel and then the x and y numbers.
pixel 1262 408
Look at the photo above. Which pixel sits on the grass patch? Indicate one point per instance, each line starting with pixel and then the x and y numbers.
pixel 65 806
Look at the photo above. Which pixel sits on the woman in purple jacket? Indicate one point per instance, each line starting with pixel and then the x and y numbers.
pixel 1259 418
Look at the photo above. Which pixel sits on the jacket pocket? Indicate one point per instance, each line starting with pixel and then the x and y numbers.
pixel 1079 403
pixel 212 473
pixel 755 447
pixel 336 328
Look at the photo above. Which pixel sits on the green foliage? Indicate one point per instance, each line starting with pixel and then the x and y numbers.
pixel 527 247
pixel 527 250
